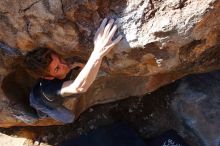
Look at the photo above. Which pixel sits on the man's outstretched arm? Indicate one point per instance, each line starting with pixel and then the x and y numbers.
pixel 102 45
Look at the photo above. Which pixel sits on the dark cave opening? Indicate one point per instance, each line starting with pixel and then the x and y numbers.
pixel 17 86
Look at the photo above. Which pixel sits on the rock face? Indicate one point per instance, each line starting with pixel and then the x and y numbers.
pixel 163 41
pixel 197 105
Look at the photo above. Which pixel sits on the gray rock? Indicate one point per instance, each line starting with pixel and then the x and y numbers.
pixel 197 104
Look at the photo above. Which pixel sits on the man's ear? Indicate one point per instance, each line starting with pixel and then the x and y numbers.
pixel 49 78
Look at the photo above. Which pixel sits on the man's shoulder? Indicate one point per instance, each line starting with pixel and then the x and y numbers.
pixel 47 89
pixel 44 84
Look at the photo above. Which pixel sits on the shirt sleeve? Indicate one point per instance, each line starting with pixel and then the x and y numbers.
pixel 51 88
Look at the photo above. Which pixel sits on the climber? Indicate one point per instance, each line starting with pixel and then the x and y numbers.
pixel 54 74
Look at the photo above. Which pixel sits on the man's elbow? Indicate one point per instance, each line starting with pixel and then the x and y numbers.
pixel 82 90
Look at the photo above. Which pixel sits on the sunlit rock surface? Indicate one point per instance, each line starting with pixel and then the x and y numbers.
pixel 197 104
pixel 163 41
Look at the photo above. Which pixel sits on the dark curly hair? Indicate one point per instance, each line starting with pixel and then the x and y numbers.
pixel 36 62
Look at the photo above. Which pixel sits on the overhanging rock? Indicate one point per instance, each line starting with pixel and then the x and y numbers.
pixel 163 41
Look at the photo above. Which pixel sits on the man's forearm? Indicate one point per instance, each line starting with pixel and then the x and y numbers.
pixel 88 73
pixel 85 78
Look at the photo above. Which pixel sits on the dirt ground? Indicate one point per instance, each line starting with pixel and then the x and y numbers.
pixel 149 115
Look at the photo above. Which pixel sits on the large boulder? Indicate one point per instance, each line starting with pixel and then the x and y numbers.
pixel 196 104
pixel 163 41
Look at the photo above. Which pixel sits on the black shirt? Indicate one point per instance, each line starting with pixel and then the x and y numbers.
pixel 49 91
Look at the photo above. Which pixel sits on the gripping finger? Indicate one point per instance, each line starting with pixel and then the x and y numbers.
pixel 108 27
pixel 101 28
pixel 112 32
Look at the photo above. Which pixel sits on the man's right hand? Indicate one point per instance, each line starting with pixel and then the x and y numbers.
pixel 103 38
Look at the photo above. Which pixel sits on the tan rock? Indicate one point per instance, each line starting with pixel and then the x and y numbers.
pixel 163 41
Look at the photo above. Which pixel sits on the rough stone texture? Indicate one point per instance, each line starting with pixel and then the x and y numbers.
pixel 163 41
pixel 149 115
pixel 12 141
pixel 197 105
